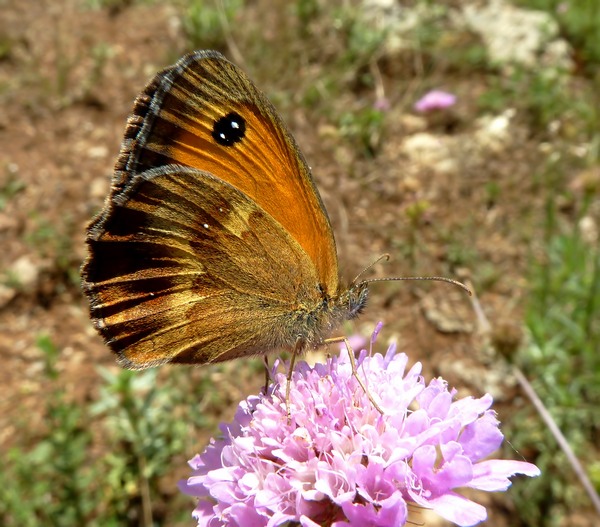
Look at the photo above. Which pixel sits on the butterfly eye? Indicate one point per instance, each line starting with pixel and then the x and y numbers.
pixel 229 129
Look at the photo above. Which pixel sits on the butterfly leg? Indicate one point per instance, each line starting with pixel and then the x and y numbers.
pixel 355 369
pixel 296 351
pixel 267 375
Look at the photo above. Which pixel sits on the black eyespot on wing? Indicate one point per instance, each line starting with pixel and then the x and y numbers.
pixel 229 129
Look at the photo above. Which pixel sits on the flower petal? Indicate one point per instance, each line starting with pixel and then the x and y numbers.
pixel 492 475
pixel 338 461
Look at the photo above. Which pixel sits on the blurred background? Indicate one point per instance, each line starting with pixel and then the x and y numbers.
pixel 497 183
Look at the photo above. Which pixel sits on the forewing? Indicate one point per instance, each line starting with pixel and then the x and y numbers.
pixel 173 122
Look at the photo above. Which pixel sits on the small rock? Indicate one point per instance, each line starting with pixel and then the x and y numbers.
pixel 512 34
pixel 431 151
pixel 24 272
pixel 99 188
pixel 448 314
pixel 589 230
pixel 494 132
pixel 98 152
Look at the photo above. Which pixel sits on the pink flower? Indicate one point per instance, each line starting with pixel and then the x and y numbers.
pixel 339 462
pixel 382 104
pixel 435 100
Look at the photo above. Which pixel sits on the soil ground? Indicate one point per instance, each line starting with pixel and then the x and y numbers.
pixel 67 83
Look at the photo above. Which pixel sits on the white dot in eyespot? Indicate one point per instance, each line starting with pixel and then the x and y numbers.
pixel 205 225
pixel 235 124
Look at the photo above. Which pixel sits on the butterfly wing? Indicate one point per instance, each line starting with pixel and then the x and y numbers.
pixel 205 113
pixel 184 267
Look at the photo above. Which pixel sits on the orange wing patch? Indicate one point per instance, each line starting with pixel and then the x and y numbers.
pixel 179 111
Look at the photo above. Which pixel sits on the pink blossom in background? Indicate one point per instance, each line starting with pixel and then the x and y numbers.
pixel 382 104
pixel 435 100
pixel 339 462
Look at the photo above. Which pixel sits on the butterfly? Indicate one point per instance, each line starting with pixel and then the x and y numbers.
pixel 213 243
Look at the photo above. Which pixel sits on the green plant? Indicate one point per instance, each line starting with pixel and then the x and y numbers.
pixel 54 242
pixel 52 483
pixel 144 423
pixel 206 24
pixel 100 53
pixel 364 128
pixel 362 40
pixel 536 93
pixel 409 247
pixel 561 359
pixel 307 11
pixel 580 23
pixel 103 463
pixel 11 186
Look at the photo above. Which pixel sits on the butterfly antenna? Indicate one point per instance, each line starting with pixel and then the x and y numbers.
pixel 432 278
pixel 385 257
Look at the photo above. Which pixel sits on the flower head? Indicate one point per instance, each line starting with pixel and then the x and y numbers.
pixel 382 104
pixel 339 462
pixel 435 100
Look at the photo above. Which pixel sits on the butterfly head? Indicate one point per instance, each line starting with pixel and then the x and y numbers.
pixel 355 299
